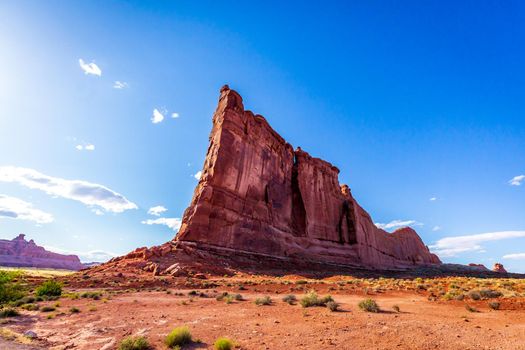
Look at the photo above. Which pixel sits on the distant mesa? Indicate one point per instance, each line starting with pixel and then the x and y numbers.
pixel 261 204
pixel 19 252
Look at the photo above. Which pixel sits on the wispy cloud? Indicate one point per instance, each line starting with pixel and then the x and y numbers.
pixel 436 228
pixel 85 256
pixel 174 115
pixel 452 246
pixel 198 175
pixel 156 211
pixel 157 116
pixel 398 223
pixel 90 194
pixel 120 85
pixel 432 199
pixel 173 223
pixel 517 180
pixel 85 147
pixel 15 208
pixel 516 256
pixel 90 68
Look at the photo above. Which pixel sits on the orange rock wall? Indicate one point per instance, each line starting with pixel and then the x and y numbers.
pixel 257 194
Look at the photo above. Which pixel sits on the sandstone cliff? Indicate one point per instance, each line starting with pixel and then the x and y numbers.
pixel 21 253
pixel 258 195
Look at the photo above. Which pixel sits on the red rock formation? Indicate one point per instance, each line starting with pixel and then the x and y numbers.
pixel 480 267
pixel 257 195
pixel 499 268
pixel 21 253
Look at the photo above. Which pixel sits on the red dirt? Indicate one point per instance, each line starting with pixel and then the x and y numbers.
pixel 421 324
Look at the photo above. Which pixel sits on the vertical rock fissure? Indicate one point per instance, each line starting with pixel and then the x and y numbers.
pixel 298 209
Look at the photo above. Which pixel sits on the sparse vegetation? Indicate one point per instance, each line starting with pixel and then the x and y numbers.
pixel 223 344
pixel 49 288
pixel 266 300
pixel 178 337
pixel 47 309
pixel 332 306
pixel 290 299
pixel 8 312
pixel 396 308
pixel 369 305
pixel 311 299
pixel 494 305
pixel 74 310
pixel 10 290
pixel 134 343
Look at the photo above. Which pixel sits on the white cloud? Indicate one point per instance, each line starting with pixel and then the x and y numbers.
pixel 173 223
pixel 174 115
pixel 120 85
pixel 157 116
pixel 452 246
pixel 90 194
pixel 85 147
pixel 15 208
pixel 198 175
pixel 89 256
pixel 156 211
pixel 90 68
pixel 398 223
pixel 436 228
pixel 516 256
pixel 432 199
pixel 517 180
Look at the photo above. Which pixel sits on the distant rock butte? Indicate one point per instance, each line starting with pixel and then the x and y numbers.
pixel 21 253
pixel 258 195
pixel 499 268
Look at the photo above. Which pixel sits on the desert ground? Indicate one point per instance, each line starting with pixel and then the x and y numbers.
pixel 430 313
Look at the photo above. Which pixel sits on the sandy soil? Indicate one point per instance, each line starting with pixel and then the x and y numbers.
pixel 421 324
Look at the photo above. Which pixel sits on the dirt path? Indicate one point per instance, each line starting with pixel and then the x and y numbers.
pixel 420 324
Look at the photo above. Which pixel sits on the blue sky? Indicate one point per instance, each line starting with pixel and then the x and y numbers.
pixel 420 105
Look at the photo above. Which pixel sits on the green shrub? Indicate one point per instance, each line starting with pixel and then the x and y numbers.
pixel 8 312
pixel 494 305
pixel 47 309
pixel 223 344
pixel 238 297
pixel 30 307
pixel 489 293
pixel 178 337
pixel 49 288
pixel 263 301
pixel 134 343
pixel 474 295
pixel 290 299
pixel 332 306
pixel 74 310
pixel 311 299
pixel 10 290
pixel 369 305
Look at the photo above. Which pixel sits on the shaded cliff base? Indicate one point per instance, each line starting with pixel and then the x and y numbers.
pixel 155 266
